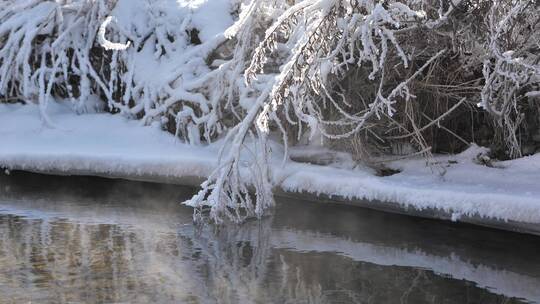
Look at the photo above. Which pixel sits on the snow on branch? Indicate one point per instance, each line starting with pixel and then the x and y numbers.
pixel 322 38
pixel 106 44
pixel 243 71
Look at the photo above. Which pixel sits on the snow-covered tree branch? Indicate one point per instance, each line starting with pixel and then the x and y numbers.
pixel 379 74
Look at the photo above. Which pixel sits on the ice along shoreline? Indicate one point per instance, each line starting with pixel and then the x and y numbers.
pixel 110 146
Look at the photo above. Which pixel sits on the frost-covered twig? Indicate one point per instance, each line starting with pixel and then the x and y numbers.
pixel 509 68
pixel 323 38
pixel 106 44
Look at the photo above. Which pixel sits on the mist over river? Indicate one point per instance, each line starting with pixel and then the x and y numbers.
pixel 91 240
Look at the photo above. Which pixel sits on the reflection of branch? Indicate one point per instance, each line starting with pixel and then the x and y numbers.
pixel 414 284
pixel 237 257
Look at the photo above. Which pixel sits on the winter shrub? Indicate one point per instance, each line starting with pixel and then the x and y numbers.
pixel 373 77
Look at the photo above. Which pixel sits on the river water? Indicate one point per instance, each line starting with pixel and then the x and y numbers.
pixel 91 240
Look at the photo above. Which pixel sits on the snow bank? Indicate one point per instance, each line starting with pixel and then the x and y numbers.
pixel 99 143
pixel 511 192
pixel 112 145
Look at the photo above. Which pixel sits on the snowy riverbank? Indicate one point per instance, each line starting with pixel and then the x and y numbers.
pixel 110 145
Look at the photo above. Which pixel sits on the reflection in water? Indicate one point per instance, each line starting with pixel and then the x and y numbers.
pixel 88 240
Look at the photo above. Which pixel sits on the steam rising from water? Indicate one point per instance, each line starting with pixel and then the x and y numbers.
pixel 91 240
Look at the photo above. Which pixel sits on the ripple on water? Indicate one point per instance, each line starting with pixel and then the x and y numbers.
pixel 87 240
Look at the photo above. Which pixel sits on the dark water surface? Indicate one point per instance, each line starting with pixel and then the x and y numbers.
pixel 90 240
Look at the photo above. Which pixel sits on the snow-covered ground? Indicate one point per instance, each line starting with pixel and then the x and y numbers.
pixel 112 145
